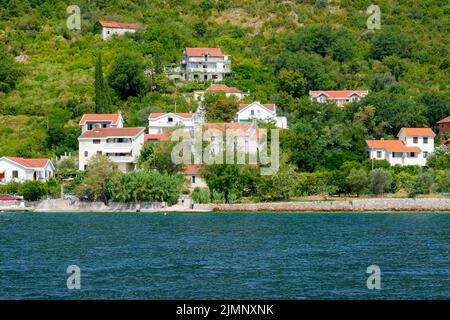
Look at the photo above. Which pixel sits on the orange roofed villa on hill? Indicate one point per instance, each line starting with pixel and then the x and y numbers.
pixel 413 147
pixel 205 64
pixel 110 28
pixel 215 88
pixel 444 125
pixel 340 97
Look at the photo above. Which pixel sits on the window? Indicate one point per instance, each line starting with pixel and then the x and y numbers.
pixel 86 154
pixel 193 179
pixel 252 112
pixel 412 154
pixel 379 154
pixel 415 140
pixel 89 126
pixel 170 119
pixel 425 140
pixel 15 174
pixel 393 154
pixel 215 76
pixel 96 141
pixel 104 125
pixel 99 153
pixel 425 154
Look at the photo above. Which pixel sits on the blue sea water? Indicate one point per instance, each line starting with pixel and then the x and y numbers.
pixel 224 256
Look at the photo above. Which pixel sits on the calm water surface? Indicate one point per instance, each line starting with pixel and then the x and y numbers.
pixel 224 256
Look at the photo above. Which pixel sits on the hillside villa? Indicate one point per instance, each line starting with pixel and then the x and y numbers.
pixel 91 121
pixel 412 147
pixel 214 88
pixel 21 169
pixel 258 111
pixel 158 123
pixel 340 97
pixel 444 125
pixel 121 145
pixel 110 28
pixel 204 64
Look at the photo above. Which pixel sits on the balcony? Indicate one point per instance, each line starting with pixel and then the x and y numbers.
pixel 118 145
pixel 122 159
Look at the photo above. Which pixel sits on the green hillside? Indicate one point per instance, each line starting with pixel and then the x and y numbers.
pixel 279 49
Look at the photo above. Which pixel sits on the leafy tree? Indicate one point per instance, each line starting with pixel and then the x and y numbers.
pixel 126 75
pixel 391 41
pixel 92 187
pixel 102 99
pixel 440 158
pixel 9 72
pixel 201 195
pixel 357 181
pixel 223 178
pixel 292 82
pixel 380 181
pixel 33 190
pixel 220 109
pixel 159 157
pixel 444 180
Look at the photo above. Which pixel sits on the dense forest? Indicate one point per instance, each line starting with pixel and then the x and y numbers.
pixel 279 50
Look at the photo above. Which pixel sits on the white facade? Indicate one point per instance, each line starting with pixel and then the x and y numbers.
pixel 158 123
pixel 110 28
pixel 90 121
pixel 11 170
pixel 205 64
pixel 120 145
pixel 256 110
pixel 413 147
pixel 340 97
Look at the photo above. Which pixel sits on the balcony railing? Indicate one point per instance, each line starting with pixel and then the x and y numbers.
pixel 117 145
pixel 122 158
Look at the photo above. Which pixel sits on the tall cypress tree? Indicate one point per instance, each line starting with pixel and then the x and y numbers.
pixel 102 99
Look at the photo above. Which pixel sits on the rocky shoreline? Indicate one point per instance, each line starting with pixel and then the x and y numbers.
pixel 354 205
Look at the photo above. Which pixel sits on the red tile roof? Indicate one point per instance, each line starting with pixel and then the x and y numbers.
pixel 114 24
pixel 156 137
pixel 417 131
pixel 269 106
pixel 30 163
pixel 445 120
pixel 192 169
pixel 199 52
pixel 339 94
pixel 182 115
pixel 222 87
pixel 446 142
pixel 113 118
pixel 391 146
pixel 245 126
pixel 112 132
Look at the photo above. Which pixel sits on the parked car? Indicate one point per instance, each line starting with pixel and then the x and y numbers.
pixel 71 197
pixel 7 197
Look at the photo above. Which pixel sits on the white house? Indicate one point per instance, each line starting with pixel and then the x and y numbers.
pixel 412 147
pixel 205 64
pixel 121 145
pixel 340 97
pixel 214 88
pixel 158 123
pixel 91 121
pixel 109 28
pixel 21 169
pixel 192 172
pixel 259 111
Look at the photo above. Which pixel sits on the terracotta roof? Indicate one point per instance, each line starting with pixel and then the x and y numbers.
pixel 30 163
pixel 182 115
pixel 417 132
pixel 113 118
pixel 446 142
pixel 156 137
pixel 112 132
pixel 391 146
pixel 199 52
pixel 339 94
pixel 114 24
pixel 222 87
pixel 269 106
pixel 191 169
pixel 245 126
pixel 445 120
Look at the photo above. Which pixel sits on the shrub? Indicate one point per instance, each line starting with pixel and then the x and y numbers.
pixel 201 195
pixel 380 181
pixel 33 190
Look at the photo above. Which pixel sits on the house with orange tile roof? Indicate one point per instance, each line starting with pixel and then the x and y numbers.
pixel 22 169
pixel 215 88
pixel 340 97
pixel 413 147
pixel 444 125
pixel 259 111
pixel 205 64
pixel 110 28
pixel 192 172
pixel 121 145
pixel 158 123
pixel 91 121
